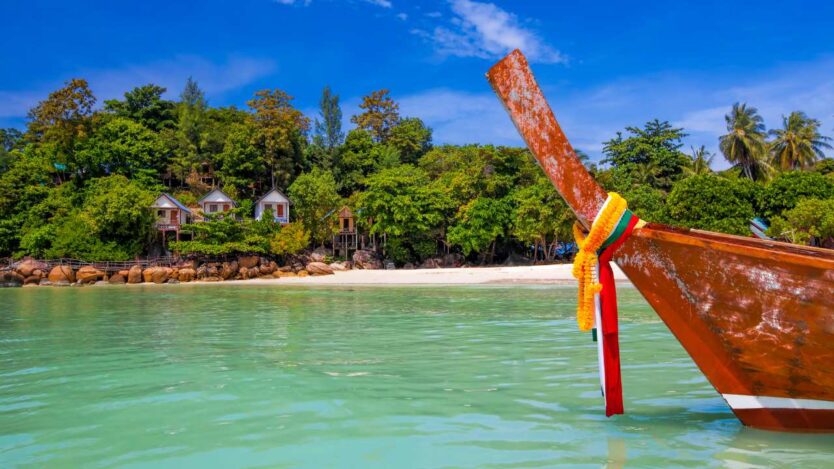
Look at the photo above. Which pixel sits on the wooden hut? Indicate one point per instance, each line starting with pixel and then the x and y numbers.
pixel 346 238
pixel 216 201
pixel 170 214
pixel 274 202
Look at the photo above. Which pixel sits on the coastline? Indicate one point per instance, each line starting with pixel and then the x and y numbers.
pixel 555 274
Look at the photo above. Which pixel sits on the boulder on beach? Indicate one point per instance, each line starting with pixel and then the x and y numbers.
pixel 340 266
pixel 88 274
pixel 61 274
pixel 318 255
pixel 228 270
pixel 28 266
pixel 117 279
pixel 10 278
pixel 254 272
pixel 319 268
pixel 368 260
pixel 186 274
pixel 244 273
pixel 123 273
pixel 134 274
pixel 32 280
pixel 302 273
pixel 267 268
pixel 248 261
pixel 161 275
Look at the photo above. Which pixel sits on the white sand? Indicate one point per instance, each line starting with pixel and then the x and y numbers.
pixel 542 274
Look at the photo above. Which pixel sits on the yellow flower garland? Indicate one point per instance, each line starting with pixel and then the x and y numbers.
pixel 585 262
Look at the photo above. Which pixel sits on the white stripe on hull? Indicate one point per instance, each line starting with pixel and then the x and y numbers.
pixel 741 401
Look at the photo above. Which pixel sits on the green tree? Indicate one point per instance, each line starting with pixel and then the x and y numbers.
pixel 144 104
pixel 401 202
pixel 810 222
pixel 191 119
pixel 709 202
pixel 744 143
pixel 123 146
pixel 411 138
pixel 799 143
pixel 241 161
pixel 355 161
pixel 788 188
pixel 652 153
pixel 380 115
pixel 699 162
pixel 329 128
pixel 281 134
pixel 292 238
pixel 10 139
pixel 541 218
pixel 479 224
pixel 314 197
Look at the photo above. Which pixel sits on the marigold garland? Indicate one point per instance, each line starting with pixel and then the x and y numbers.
pixel 585 262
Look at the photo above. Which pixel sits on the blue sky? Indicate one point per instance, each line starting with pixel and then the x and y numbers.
pixel 603 65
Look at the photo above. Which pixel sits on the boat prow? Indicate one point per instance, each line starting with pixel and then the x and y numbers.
pixel 756 316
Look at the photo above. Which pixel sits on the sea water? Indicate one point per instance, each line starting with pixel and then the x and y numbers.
pixel 276 376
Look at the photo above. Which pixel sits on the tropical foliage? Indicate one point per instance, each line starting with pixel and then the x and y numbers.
pixel 78 181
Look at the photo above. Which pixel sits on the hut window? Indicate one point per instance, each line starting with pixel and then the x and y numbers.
pixel 160 213
pixel 212 208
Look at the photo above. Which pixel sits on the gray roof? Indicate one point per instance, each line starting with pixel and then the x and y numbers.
pixel 176 202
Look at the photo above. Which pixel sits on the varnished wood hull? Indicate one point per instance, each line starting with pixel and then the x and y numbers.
pixel 756 316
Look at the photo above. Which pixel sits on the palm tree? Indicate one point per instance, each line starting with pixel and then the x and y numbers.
pixel 744 144
pixel 699 162
pixel 798 144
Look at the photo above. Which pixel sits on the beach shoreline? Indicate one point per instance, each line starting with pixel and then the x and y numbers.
pixel 555 274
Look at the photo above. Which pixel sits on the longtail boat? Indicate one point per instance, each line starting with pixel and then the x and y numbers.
pixel 755 315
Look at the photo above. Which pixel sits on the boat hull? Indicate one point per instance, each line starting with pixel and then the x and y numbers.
pixel 756 316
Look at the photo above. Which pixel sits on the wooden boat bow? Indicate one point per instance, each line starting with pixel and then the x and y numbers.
pixel 756 316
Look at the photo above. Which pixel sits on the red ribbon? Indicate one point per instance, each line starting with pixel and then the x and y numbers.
pixel 609 330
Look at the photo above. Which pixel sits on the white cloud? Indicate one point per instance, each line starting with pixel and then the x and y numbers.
pixel 380 3
pixel 213 77
pixel 402 16
pixel 486 31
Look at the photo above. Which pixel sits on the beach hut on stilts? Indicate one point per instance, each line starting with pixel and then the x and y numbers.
pixel 345 239
pixel 171 215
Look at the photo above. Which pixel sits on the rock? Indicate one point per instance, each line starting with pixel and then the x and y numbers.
pixel 286 268
pixel 172 281
pixel 389 264
pixel 160 275
pixel 38 273
pixel 432 263
pixel 286 274
pixel 124 273
pixel 212 279
pixel 88 274
pixel 229 270
pixel 117 279
pixel 27 266
pixel 244 273
pixel 302 273
pixel 318 255
pixel 254 272
pixel 10 278
pixel 338 266
pixel 319 268
pixel 134 274
pixel 45 283
pixel 100 283
pixel 267 268
pixel 453 260
pixel 278 274
pixel 61 274
pixel 366 260
pixel 147 274
pixel 186 274
pixel 248 261
pixel 408 266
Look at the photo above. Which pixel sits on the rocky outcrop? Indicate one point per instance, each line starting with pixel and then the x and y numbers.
pixel 266 268
pixel 338 266
pixel 186 274
pixel 28 266
pixel 318 255
pixel 134 274
pixel 10 278
pixel 61 274
pixel 368 260
pixel 302 273
pixel 88 274
pixel 156 275
pixel 117 279
pixel 319 268
pixel 248 261
pixel 228 270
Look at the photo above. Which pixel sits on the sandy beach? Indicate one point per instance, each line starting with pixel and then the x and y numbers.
pixel 541 274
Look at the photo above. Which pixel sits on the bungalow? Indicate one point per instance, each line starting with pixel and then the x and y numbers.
pixel 170 213
pixel 275 202
pixel 216 201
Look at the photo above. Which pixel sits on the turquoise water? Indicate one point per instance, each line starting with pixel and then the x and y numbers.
pixel 252 376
